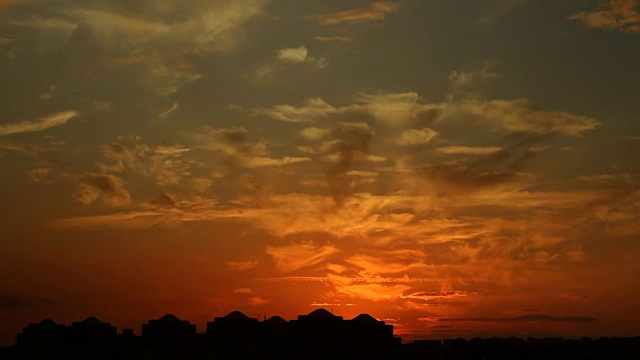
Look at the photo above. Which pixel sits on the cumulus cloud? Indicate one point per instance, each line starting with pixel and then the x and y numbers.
pixel 314 133
pixel 286 58
pixel 465 79
pixel 292 257
pixel 40 124
pixel 312 109
pixel 519 116
pixel 394 109
pixel 376 11
pixel 413 137
pixel 620 15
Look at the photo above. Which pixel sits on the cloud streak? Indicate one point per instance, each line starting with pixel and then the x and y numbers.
pixel 517 319
pixel 376 11
pixel 41 124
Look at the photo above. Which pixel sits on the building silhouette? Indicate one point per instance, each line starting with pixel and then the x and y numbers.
pixel 317 335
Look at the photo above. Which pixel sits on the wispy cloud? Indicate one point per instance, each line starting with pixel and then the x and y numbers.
pixel 301 255
pixel 620 15
pixel 376 11
pixel 40 124
pixel 242 265
pixel 468 150
pixel 498 9
pixel 519 116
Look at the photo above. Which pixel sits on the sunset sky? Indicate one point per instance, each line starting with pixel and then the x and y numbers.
pixel 455 168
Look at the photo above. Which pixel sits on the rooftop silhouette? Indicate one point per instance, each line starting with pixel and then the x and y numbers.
pixel 317 335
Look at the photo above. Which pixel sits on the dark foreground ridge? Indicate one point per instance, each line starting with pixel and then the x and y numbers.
pixel 317 335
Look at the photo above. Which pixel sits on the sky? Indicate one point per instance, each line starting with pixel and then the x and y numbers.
pixel 454 168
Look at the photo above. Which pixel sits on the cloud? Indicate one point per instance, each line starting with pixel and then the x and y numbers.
pixel 333 38
pixel 246 295
pixel 287 58
pixel 292 257
pixel 517 319
pixel 128 220
pixel 464 79
pixel 40 174
pixel 157 41
pixel 293 55
pixel 499 8
pixel 261 162
pixel 394 109
pixel 109 187
pixel 430 295
pixel 618 15
pixel 314 133
pixel 415 137
pixel 40 124
pixel 233 146
pixel 164 114
pixel 166 164
pixel 387 262
pixel 242 265
pixel 376 11
pixel 245 291
pixel 466 150
pixel 312 109
pixel 519 116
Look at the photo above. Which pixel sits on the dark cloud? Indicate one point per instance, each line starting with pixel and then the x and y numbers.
pixel 351 142
pixel 163 201
pixel 110 187
pixel 523 318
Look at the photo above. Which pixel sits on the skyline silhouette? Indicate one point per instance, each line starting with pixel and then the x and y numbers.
pixel 317 335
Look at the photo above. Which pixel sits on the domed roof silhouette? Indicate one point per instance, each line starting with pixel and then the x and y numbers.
pixel 365 318
pixel 236 315
pixel 91 321
pixel 170 318
pixel 47 323
pixel 276 320
pixel 321 314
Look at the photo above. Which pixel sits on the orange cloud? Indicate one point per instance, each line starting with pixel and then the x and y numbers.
pixel 618 15
pixel 376 11
pixel 292 257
